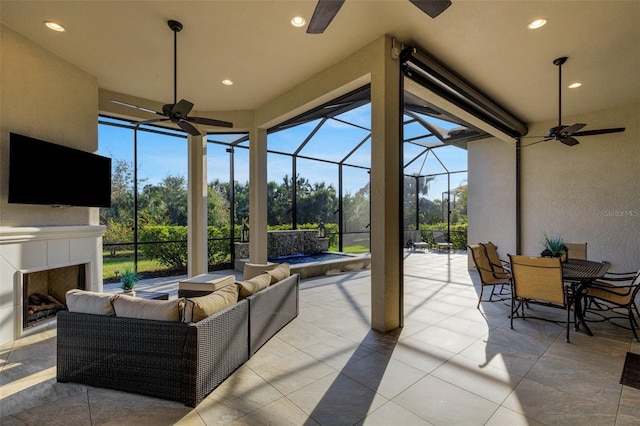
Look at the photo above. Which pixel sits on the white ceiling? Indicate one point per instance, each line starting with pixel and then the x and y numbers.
pixel 128 46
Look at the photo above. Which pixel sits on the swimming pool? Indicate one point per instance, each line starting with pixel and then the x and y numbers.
pixel 327 263
pixel 308 258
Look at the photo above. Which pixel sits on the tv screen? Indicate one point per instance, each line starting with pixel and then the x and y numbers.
pixel 46 173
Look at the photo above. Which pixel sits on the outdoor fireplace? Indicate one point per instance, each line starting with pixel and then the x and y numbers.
pixel 42 263
pixel 43 292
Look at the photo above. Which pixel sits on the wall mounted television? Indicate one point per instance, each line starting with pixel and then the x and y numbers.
pixel 46 173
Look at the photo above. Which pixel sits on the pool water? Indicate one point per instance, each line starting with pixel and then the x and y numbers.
pixel 307 258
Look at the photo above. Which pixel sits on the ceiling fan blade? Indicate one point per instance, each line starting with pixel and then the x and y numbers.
pixel 568 131
pixel 188 127
pixel 569 141
pixel 182 108
pixel 536 142
pixel 324 13
pixel 153 120
pixel 432 8
pixel 209 121
pixel 599 131
pixel 115 101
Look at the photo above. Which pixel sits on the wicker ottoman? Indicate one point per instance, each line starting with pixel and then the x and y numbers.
pixel 204 284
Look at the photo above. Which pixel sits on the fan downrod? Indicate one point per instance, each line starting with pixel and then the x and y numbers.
pixel 175 26
pixel 560 61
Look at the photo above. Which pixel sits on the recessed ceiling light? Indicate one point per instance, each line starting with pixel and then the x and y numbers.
pixel 575 85
pixel 537 23
pixel 227 82
pixel 298 21
pixel 54 26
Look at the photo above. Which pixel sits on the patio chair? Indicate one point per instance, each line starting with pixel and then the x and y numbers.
pixel 618 289
pixel 488 276
pixel 577 250
pixel 538 280
pixel 498 265
pixel 440 240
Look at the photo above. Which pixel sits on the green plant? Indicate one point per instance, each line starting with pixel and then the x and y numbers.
pixel 129 277
pixel 555 245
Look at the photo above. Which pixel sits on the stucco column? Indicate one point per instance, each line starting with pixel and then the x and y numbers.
pixel 197 206
pixel 386 171
pixel 258 196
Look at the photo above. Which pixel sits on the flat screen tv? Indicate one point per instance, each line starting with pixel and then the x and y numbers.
pixel 46 173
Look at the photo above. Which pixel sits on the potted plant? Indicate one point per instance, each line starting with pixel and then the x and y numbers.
pixel 129 279
pixel 554 247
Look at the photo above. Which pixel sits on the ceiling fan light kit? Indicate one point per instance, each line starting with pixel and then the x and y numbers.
pixel 177 112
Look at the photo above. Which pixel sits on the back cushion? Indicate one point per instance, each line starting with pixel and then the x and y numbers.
pixel 198 308
pixel 90 302
pixel 160 310
pixel 254 285
pixel 252 270
pixel 280 273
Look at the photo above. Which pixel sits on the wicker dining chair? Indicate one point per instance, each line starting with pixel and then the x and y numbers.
pixel 538 280
pixel 620 290
pixel 488 276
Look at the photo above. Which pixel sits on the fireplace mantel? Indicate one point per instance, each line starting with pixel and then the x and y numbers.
pixel 10 234
pixel 31 249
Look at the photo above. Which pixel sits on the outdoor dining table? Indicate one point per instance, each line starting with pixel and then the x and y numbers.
pixel 579 274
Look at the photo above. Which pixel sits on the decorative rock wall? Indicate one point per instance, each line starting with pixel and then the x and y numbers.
pixel 287 243
pixel 299 241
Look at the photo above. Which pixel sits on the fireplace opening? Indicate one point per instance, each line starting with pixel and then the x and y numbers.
pixel 44 292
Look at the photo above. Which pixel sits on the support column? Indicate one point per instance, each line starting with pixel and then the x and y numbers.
pixel 386 168
pixel 258 196
pixel 197 258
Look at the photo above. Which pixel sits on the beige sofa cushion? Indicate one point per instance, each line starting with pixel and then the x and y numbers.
pixel 254 285
pixel 280 273
pixel 198 308
pixel 252 270
pixel 160 310
pixel 90 302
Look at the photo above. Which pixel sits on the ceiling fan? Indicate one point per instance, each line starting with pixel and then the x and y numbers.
pixel 177 112
pixel 565 134
pixel 326 10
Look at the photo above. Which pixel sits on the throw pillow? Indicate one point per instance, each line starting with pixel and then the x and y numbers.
pixel 90 302
pixel 254 285
pixel 280 273
pixel 252 270
pixel 198 308
pixel 160 310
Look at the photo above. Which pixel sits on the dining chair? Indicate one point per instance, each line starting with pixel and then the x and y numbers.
pixel 618 289
pixel 577 250
pixel 497 264
pixel 538 280
pixel 488 276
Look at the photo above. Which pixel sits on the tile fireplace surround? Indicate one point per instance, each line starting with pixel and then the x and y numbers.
pixel 30 249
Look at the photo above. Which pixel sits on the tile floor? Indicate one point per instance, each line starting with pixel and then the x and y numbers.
pixel 451 364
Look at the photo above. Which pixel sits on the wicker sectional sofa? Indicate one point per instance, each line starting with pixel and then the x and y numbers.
pixel 181 361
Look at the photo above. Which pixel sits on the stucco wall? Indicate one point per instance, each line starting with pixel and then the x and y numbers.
pixel 45 97
pixel 586 193
pixel 492 194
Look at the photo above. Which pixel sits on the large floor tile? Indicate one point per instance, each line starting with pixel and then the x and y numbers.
pixel 551 406
pixel 292 372
pixel 337 400
pixel 442 403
